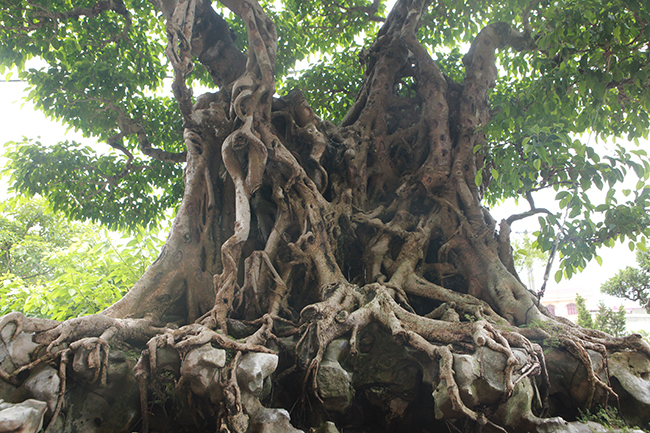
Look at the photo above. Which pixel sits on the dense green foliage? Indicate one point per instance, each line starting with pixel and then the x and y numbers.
pixel 606 319
pixel 632 283
pixel 102 71
pixel 29 232
pixel 527 254
pixel 51 267
pixel 610 321
pixel 584 316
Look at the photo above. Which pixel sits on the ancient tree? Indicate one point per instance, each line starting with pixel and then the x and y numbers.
pixel 322 243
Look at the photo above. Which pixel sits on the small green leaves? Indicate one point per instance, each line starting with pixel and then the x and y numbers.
pixel 66 269
pixel 61 173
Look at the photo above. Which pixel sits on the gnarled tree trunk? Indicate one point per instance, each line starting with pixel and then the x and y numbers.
pixel 295 233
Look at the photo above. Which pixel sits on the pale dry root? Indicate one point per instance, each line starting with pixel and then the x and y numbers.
pixel 351 308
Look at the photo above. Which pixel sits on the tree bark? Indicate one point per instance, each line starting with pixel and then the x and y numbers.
pixel 291 225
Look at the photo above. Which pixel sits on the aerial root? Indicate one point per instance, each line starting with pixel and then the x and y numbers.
pixel 142 373
pixel 63 365
pixel 183 340
pixel 487 335
pixel 577 341
pixel 195 335
pixel 27 325
pixel 444 355
pixel 445 358
pixel 97 361
pixel 424 334
pixel 237 419
pixel 579 350
pixel 260 272
pixel 9 378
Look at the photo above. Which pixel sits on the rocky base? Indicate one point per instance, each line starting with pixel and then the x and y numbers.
pixel 384 387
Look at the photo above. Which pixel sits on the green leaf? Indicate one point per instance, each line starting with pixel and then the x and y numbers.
pixel 478 180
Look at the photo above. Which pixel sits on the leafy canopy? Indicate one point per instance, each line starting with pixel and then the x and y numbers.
pixel 29 231
pixel 101 70
pixel 52 267
pixel 632 283
pixel 605 319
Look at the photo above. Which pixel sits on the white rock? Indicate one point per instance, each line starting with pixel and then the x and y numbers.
pixel 253 369
pixel 25 417
pixel 201 368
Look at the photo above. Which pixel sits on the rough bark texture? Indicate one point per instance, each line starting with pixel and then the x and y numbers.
pixel 332 246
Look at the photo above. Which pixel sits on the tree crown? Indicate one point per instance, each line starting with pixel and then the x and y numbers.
pixel 583 71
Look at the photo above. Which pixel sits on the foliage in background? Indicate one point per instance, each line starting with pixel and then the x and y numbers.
pixel 58 269
pixel 610 321
pixel 555 108
pixel 605 319
pixel 584 316
pixel 632 283
pixel 526 253
pixel 29 231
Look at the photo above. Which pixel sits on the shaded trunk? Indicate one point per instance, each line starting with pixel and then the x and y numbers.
pixel 401 165
pixel 295 233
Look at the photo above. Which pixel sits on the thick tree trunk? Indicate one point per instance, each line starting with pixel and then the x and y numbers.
pixel 292 226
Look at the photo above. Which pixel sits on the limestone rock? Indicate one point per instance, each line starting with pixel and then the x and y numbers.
pixel 201 368
pixel 630 377
pixel 93 408
pixel 334 383
pixel 15 350
pixel 388 374
pixel 25 417
pixel 43 384
pixel 568 377
pixel 272 421
pixel 480 380
pixel 253 369
pixel 168 361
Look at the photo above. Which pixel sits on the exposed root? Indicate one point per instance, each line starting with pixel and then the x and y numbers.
pixel 348 309
pixel 9 378
pixel 98 349
pixel 101 326
pixel 577 341
pixel 25 324
pixel 141 372
pixel 63 365
pixel 354 225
